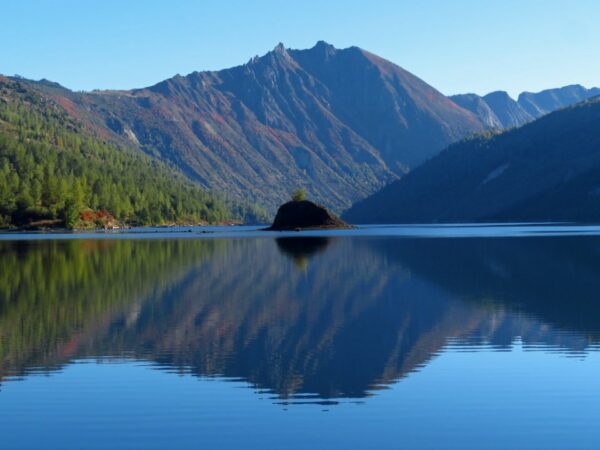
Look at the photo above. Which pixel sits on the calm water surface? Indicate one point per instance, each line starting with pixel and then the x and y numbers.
pixel 384 337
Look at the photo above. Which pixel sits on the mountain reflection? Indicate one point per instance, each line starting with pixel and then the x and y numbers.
pixel 363 313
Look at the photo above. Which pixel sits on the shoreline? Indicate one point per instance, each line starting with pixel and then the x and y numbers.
pixel 63 230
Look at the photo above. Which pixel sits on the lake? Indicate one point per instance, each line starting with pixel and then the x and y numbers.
pixel 420 337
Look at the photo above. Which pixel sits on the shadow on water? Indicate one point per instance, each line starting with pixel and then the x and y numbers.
pixel 361 314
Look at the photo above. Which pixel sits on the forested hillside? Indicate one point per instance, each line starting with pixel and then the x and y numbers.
pixel 548 170
pixel 53 171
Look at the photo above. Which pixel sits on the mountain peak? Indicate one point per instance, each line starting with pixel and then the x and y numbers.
pixel 324 48
pixel 324 45
pixel 279 48
pixel 498 95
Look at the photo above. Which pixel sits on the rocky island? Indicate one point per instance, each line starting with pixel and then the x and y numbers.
pixel 301 214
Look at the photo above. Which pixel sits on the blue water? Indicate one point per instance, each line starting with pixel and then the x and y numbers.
pixel 380 337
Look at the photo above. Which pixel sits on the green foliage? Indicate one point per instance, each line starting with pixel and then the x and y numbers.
pixel 247 213
pixel 71 213
pixel 51 169
pixel 299 195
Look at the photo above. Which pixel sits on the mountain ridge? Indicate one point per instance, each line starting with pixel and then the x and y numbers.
pixel 499 110
pixel 340 123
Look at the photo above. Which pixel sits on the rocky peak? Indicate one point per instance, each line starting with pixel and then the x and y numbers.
pixel 502 96
pixel 278 54
pixel 279 48
pixel 324 48
pixel 508 111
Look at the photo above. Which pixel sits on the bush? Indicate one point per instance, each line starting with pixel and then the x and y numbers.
pixel 299 195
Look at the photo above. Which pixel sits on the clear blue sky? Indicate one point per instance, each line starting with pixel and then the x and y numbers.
pixel 455 45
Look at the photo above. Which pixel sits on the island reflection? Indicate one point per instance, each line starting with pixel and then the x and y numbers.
pixel 303 318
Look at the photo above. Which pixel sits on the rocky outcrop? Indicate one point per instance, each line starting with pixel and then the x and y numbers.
pixel 305 215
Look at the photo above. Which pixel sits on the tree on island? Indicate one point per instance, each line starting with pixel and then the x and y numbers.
pixel 299 195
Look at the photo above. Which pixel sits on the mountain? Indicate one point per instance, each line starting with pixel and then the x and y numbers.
pixel 55 171
pixel 509 112
pixel 478 106
pixel 499 110
pixel 544 102
pixel 340 123
pixel 546 170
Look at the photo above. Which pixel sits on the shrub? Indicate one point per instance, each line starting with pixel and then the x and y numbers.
pixel 299 195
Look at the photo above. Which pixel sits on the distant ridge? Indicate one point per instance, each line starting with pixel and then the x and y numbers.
pixel 499 110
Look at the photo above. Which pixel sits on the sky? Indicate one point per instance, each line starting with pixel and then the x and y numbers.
pixel 457 46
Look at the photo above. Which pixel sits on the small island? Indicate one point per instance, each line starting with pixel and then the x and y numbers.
pixel 301 214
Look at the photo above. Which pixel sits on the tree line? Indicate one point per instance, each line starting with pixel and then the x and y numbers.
pixel 51 169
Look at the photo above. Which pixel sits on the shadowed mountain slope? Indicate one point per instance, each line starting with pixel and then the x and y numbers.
pixel 546 170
